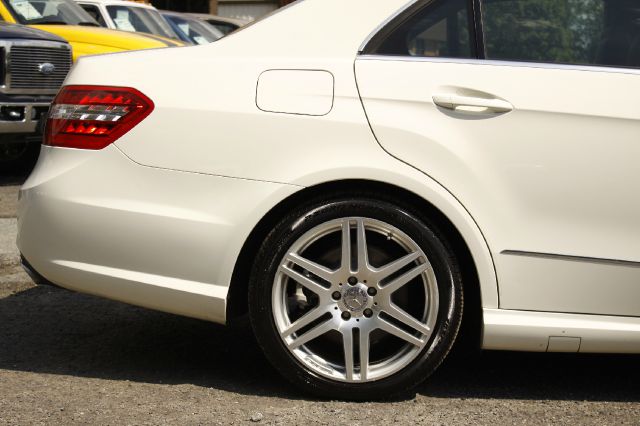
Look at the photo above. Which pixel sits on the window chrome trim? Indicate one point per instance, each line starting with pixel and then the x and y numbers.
pixel 384 23
pixel 495 63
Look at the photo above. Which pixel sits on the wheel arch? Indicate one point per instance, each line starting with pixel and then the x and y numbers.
pixel 471 331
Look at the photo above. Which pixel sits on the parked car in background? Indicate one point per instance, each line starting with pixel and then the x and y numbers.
pixel 68 20
pixel 190 29
pixel 223 24
pixel 430 171
pixel 33 65
pixel 127 15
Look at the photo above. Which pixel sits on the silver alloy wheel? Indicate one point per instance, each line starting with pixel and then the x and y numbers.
pixel 354 300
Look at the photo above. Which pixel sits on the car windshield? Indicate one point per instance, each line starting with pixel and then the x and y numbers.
pixel 131 18
pixel 196 31
pixel 29 12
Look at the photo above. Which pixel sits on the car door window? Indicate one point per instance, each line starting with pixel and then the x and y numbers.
pixel 581 32
pixel 93 10
pixel 442 29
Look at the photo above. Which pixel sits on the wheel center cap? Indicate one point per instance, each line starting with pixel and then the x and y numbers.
pixel 355 299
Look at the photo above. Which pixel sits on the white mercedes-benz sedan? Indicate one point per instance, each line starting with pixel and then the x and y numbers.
pixel 367 180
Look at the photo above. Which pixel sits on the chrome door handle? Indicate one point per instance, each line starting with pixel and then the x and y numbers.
pixel 453 102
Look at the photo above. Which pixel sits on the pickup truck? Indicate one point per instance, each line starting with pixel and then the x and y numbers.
pixel 68 20
pixel 33 65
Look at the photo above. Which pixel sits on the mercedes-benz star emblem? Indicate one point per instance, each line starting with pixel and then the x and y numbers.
pixel 46 68
pixel 355 298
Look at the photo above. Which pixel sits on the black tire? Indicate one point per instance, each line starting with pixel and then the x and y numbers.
pixel 403 217
pixel 18 154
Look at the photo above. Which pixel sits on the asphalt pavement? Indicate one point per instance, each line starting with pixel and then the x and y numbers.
pixel 68 358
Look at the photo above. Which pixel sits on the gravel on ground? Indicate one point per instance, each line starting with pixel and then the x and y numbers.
pixel 8 197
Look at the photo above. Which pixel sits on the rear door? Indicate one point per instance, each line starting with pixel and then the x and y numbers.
pixel 527 111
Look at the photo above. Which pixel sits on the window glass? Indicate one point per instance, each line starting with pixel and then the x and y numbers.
pixel 581 32
pixel 224 27
pixel 31 12
pixel 93 10
pixel 132 18
pixel 444 28
pixel 196 31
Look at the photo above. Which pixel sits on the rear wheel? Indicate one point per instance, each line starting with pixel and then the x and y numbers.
pixel 355 299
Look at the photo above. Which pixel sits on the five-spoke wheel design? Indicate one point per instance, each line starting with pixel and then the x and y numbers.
pixel 355 299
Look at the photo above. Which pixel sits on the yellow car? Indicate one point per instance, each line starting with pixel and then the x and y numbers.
pixel 69 21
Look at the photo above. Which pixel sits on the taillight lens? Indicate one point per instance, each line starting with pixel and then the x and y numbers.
pixel 92 117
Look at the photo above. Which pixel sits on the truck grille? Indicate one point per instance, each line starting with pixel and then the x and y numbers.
pixel 25 67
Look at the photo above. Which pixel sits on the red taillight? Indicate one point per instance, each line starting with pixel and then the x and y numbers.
pixel 92 117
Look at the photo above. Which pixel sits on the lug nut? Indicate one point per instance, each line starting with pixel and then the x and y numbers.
pixel 346 316
pixel 352 280
pixel 336 295
pixel 372 291
pixel 368 313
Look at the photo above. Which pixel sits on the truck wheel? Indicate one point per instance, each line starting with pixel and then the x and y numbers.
pixel 18 154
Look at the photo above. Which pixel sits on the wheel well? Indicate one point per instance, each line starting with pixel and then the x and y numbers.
pixel 471 329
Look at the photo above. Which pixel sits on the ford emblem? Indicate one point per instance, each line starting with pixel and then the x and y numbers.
pixel 46 68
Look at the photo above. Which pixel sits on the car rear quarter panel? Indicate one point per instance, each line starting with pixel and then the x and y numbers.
pixel 206 120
